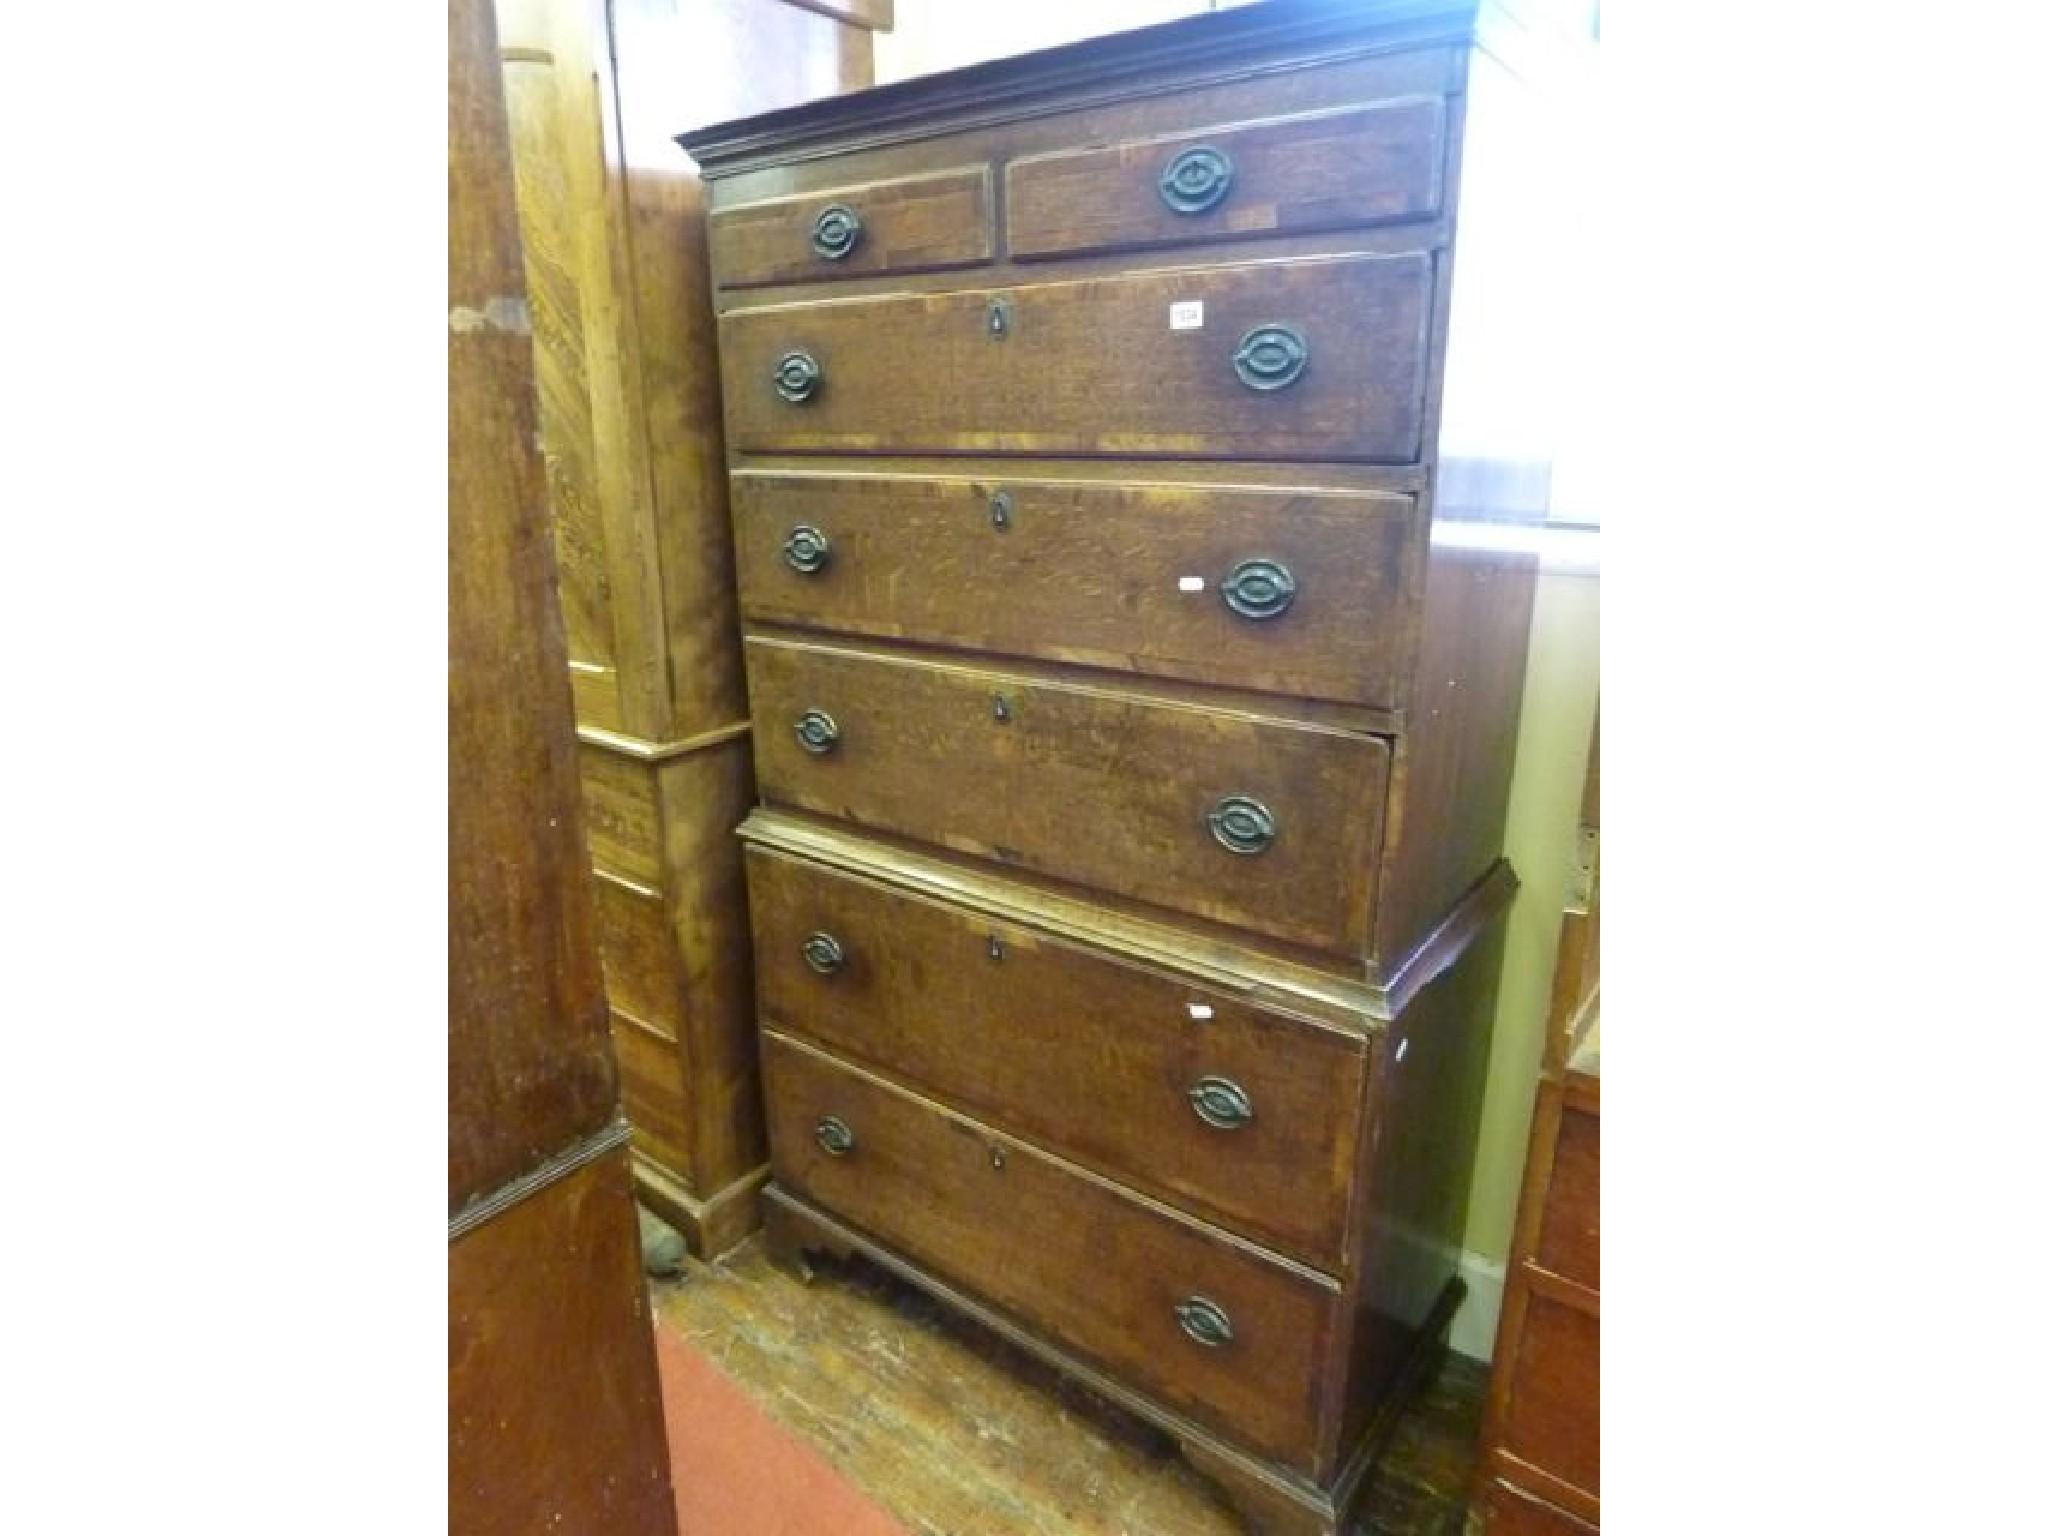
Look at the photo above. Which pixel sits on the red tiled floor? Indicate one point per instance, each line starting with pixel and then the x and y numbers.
pixel 739 1473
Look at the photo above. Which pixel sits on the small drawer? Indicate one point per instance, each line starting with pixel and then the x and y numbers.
pixel 1267 822
pixel 1305 592
pixel 1281 176
pixel 1223 1332
pixel 1308 358
pixel 1240 1115
pixel 915 224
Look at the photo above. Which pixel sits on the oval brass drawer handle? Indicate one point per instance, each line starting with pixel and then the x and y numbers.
pixel 817 732
pixel 1204 1322
pixel 1196 179
pixel 806 550
pixel 1270 357
pixel 836 1136
pixel 835 232
pixel 1258 589
pixel 1221 1103
pixel 797 376
pixel 824 954
pixel 1243 825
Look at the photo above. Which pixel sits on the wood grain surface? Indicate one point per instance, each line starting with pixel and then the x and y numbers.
pixel 1087 1055
pixel 1093 367
pixel 1101 1271
pixel 1100 785
pixel 1288 175
pixel 529 1065
pixel 1105 574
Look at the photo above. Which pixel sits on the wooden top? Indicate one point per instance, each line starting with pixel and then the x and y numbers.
pixel 1211 46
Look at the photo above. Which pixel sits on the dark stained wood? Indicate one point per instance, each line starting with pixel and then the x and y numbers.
pixel 1449 804
pixel 554 1409
pixel 1036 1238
pixel 913 224
pixel 1028 477
pixel 1088 1056
pixel 1541 1450
pixel 1568 1240
pixel 1553 1413
pixel 554 1412
pixel 1118 67
pixel 1289 175
pixel 1096 573
pixel 1086 784
pixel 529 1066
pixel 1092 367
pixel 1427 1087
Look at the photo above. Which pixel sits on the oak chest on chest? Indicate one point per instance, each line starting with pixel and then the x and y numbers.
pixel 1133 743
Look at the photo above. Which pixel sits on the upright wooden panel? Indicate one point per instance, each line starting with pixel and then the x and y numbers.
pixel 554 1408
pixel 529 1066
pixel 613 218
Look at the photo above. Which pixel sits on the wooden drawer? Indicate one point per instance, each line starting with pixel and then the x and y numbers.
pixel 1568 1241
pixel 1123 791
pixel 1092 367
pixel 1098 1269
pixel 1552 1420
pixel 1294 591
pixel 911 224
pixel 1282 176
pixel 1096 1058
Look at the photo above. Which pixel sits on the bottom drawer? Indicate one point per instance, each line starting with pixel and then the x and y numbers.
pixel 1222 1331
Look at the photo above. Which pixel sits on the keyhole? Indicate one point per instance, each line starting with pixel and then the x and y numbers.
pixel 1001 709
pixel 995 1158
pixel 995 947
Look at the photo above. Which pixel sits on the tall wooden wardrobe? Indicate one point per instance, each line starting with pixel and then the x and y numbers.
pixel 611 215
pixel 554 1410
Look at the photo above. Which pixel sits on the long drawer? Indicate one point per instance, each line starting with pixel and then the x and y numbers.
pixel 1291 590
pixel 1238 1114
pixel 1310 358
pixel 1269 823
pixel 1230 1336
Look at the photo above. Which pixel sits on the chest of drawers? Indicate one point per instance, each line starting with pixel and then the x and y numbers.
pixel 1133 743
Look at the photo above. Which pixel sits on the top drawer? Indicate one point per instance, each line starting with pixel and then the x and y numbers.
pixel 1281 176
pixel 911 224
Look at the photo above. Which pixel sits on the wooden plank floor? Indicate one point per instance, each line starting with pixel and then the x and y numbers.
pixel 957 1433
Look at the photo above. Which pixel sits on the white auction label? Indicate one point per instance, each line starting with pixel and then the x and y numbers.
pixel 1184 316
pixel 1192 583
